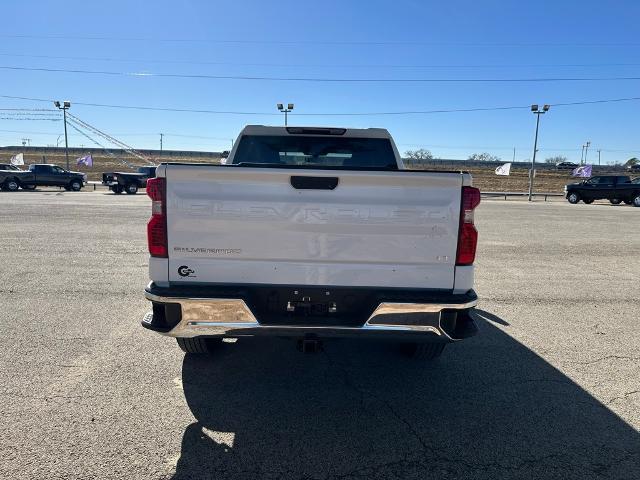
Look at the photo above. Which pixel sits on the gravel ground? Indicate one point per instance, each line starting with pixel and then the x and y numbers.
pixel 550 388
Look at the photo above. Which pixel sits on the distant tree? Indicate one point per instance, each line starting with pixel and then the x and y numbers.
pixel 632 161
pixel 556 159
pixel 483 157
pixel 420 154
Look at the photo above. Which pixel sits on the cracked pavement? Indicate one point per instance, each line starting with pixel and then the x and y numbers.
pixel 548 389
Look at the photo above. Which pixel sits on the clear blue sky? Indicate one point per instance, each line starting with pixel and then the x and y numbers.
pixel 331 39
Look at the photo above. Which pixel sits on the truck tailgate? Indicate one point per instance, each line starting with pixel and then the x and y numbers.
pixel 240 225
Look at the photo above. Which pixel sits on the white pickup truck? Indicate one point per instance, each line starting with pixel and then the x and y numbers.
pixel 311 233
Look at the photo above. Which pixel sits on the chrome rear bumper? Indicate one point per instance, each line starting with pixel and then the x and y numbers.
pixel 219 317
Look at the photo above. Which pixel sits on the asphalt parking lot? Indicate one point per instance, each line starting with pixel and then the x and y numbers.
pixel 550 388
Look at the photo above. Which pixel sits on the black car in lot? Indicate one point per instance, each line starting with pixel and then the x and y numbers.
pixel 615 188
pixel 566 166
pixel 41 174
pixel 128 182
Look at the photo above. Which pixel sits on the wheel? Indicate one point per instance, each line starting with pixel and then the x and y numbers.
pixel 573 197
pixel 75 185
pixel 11 184
pixel 197 344
pixel 132 189
pixel 28 187
pixel 588 202
pixel 117 189
pixel 636 200
pixel 424 351
pixel 615 201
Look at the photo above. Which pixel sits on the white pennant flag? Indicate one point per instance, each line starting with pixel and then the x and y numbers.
pixel 503 169
pixel 17 159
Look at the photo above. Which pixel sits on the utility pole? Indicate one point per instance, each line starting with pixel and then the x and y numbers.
pixel 514 154
pixel 285 110
pixel 65 106
pixel 586 150
pixel 537 111
pixel 599 157
pixel 161 135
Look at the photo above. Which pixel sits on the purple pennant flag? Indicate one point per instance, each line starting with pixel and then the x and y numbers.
pixel 87 161
pixel 583 171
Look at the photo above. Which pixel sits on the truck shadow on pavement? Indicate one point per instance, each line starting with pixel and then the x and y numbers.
pixel 489 408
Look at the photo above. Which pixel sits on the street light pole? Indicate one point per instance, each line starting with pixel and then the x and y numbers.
pixel 285 110
pixel 537 111
pixel 66 139
pixel 599 156
pixel 65 106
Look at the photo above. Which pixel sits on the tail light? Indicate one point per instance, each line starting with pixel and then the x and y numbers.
pixel 467 234
pixel 157 226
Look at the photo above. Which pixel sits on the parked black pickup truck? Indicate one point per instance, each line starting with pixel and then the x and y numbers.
pixel 8 166
pixel 39 175
pixel 615 188
pixel 119 182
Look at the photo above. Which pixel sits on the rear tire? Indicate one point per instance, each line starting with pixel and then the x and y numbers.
pixel 615 201
pixel 75 185
pixel 573 198
pixel 424 351
pixel 131 189
pixel 197 345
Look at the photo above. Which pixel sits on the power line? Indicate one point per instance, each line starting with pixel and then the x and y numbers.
pixel 320 42
pixel 328 114
pixel 317 65
pixel 140 107
pixel 319 79
pixel 169 109
pixel 322 114
pixel 590 102
pixel 36 119
pixel 28 114
pixel 28 110
pixel 108 137
pixel 106 150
